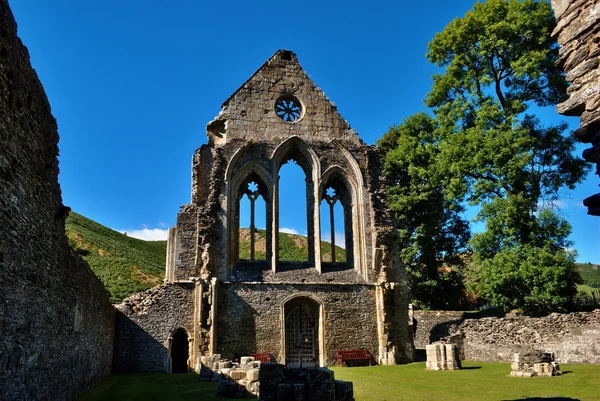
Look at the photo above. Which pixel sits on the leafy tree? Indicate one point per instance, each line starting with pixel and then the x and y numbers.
pixel 499 61
pixel 537 280
pixel 430 228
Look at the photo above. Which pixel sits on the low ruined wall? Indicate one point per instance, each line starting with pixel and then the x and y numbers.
pixel 145 322
pixel 56 321
pixel 432 325
pixel 574 337
pixel 252 317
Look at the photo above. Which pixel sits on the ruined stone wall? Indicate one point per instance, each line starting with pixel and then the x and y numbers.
pixel 574 337
pixel 251 317
pixel 144 324
pixel 248 116
pixel 578 34
pixel 56 321
pixel 433 324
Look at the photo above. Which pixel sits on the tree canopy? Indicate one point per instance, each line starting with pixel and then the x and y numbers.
pixel 485 146
pixel 431 230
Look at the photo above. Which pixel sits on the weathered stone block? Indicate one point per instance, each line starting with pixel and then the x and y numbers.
pixel 285 391
pixel 270 375
pixel 237 374
pixel 246 359
pixel 299 391
pixel 253 374
pixel 321 384
pixel 344 391
pixel 442 357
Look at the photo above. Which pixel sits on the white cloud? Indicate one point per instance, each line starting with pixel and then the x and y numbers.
pixel 340 239
pixel 147 234
pixel 288 230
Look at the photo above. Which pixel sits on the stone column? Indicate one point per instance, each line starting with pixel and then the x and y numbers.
pixel 275 229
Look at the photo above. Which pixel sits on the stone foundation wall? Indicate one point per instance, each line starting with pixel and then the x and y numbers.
pixel 573 337
pixel 145 322
pixel 251 318
pixel 56 321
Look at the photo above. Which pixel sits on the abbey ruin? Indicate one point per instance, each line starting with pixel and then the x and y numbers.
pixel 59 334
pixel 213 302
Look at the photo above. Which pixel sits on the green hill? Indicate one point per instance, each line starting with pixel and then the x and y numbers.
pixel 125 265
pixel 292 247
pixel 590 273
pixel 129 265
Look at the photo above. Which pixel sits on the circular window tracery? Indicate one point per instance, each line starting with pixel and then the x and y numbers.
pixel 288 108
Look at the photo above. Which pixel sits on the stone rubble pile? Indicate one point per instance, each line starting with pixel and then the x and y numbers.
pixel 534 363
pixel 235 379
pixel 279 383
pixel 271 381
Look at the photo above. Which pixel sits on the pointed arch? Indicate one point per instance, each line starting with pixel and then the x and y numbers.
pixel 239 179
pixel 305 305
pixel 179 350
pixel 337 177
pixel 298 150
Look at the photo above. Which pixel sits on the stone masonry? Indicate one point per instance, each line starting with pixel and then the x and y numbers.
pixel 571 337
pixel 578 33
pixel 56 321
pixel 300 312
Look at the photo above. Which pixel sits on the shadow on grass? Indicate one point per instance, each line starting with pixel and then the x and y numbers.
pixel 470 367
pixel 546 399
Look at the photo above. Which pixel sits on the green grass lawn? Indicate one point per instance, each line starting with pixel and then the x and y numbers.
pixel 478 381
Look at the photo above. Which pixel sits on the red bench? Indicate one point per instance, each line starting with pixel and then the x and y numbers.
pixel 261 356
pixel 353 357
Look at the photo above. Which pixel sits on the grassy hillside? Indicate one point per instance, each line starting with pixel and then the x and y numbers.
pixel 125 265
pixel 292 247
pixel 590 274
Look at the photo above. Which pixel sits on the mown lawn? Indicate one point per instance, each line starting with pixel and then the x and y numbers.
pixel 478 381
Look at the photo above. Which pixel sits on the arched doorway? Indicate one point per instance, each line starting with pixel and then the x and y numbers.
pixel 179 352
pixel 302 332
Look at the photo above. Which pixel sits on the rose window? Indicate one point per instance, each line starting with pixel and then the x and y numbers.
pixel 288 108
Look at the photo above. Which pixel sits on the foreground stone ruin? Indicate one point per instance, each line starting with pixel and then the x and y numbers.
pixel 302 312
pixel 56 321
pixel 442 356
pixel 578 34
pixel 534 363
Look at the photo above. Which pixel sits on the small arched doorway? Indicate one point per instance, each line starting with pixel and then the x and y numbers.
pixel 302 332
pixel 179 352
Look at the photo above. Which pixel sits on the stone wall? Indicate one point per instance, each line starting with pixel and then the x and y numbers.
pixel 146 321
pixel 578 34
pixel 56 321
pixel 574 337
pixel 432 325
pixel 252 317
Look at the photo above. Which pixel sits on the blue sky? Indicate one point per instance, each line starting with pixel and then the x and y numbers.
pixel 133 84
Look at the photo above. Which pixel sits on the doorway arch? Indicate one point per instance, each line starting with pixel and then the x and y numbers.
pixel 179 352
pixel 302 332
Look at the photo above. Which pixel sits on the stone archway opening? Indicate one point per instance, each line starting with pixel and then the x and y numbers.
pixel 179 352
pixel 336 205
pixel 302 332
